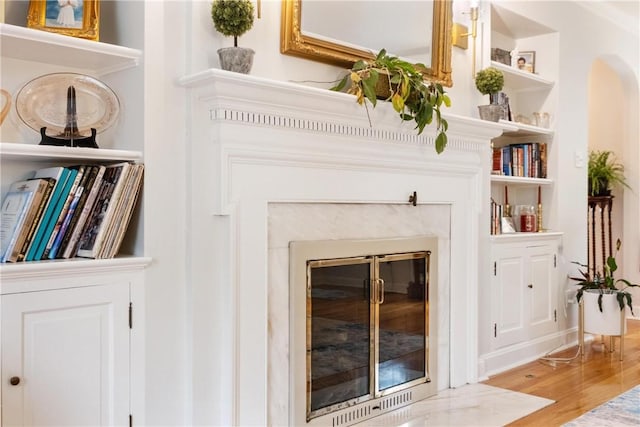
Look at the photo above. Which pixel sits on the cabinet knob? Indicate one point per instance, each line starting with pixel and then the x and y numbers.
pixel 14 380
pixel 529 286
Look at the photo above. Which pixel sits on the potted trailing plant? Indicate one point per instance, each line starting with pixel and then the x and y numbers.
pixel 603 173
pixel 604 297
pixel 392 79
pixel 233 18
pixel 490 81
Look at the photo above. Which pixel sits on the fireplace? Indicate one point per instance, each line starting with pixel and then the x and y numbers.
pixel 274 162
pixel 361 317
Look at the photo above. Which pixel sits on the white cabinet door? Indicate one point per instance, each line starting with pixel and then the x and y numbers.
pixel 69 350
pixel 543 290
pixel 508 298
pixel 524 288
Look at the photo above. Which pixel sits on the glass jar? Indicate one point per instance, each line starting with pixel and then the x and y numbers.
pixel 527 218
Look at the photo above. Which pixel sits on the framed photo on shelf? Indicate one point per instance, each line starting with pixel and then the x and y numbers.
pixel 76 18
pixel 527 61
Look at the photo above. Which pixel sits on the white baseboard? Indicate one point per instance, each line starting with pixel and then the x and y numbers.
pixel 513 356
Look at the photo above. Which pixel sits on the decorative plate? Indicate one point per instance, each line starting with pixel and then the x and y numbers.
pixel 50 101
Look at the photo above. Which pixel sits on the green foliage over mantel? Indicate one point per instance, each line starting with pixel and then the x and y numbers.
pixel 392 79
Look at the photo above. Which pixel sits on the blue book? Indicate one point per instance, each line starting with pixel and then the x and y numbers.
pixel 60 174
pixel 54 214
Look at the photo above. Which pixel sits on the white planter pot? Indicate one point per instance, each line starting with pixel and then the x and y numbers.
pixel 606 322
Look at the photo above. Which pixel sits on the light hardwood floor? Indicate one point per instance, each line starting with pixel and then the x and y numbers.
pixel 578 386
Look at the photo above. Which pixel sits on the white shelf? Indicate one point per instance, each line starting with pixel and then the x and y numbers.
pixel 517 237
pixel 21 276
pixel 34 152
pixel 520 180
pixel 519 80
pixel 525 130
pixel 41 46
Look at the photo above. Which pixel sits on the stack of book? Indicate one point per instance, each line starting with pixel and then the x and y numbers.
pixel 523 160
pixel 64 212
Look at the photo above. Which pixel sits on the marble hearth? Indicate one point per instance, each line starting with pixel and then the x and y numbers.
pixel 273 162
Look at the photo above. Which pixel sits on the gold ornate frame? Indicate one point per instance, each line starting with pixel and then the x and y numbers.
pixel 89 29
pixel 293 42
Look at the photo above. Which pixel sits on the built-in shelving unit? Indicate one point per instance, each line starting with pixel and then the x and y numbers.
pixel 88 304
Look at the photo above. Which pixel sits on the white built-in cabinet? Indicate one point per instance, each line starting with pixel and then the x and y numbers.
pixel 65 356
pixel 524 289
pixel 72 330
pixel 521 318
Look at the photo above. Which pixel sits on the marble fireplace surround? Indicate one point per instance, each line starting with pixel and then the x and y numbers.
pixel 270 159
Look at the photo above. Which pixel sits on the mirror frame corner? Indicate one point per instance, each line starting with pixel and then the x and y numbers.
pixel 293 42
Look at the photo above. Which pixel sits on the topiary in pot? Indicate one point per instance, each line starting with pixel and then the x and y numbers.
pixel 490 81
pixel 233 18
pixel 392 79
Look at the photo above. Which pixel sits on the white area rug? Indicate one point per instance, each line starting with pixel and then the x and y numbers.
pixel 623 410
pixel 470 405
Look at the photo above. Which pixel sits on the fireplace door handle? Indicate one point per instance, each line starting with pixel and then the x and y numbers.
pixel 380 291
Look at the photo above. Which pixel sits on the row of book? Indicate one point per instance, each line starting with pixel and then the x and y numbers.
pixel 499 222
pixel 523 160
pixel 64 212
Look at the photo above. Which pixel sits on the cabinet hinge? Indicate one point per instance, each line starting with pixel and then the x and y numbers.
pixel 495 268
pixel 555 263
pixel 130 315
pixel 130 420
pixel 495 330
pixel 555 315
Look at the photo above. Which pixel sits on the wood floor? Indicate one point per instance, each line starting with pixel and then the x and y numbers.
pixel 578 386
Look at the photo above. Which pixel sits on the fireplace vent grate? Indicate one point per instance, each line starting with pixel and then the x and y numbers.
pixel 396 401
pixel 347 418
pixel 363 412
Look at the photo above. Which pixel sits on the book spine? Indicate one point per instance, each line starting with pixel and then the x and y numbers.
pixel 92 244
pixel 72 245
pixel 63 213
pixel 55 214
pixel 14 209
pixel 46 218
pixel 91 173
pixel 36 220
pixel 29 218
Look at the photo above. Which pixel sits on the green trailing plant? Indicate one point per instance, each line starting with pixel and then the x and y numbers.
pixel 232 17
pixel 404 85
pixel 604 172
pixel 489 80
pixel 604 282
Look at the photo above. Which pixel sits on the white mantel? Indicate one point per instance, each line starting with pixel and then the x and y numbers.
pixel 256 143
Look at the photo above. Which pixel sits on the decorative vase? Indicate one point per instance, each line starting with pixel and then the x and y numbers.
pixel 491 112
pixel 6 105
pixel 237 59
pixel 605 322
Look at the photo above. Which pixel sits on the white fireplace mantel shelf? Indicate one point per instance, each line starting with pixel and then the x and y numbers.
pixel 224 90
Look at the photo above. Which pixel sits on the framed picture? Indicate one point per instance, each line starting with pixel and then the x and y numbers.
pixel 77 18
pixel 527 61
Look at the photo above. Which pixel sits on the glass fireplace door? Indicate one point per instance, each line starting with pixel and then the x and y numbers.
pixel 367 328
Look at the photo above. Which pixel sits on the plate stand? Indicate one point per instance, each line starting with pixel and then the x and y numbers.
pixel 88 141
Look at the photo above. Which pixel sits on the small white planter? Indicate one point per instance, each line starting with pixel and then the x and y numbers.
pixel 608 321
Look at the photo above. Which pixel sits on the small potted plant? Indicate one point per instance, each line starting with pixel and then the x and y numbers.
pixel 392 79
pixel 234 18
pixel 490 81
pixel 603 173
pixel 604 297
